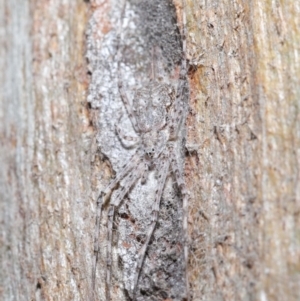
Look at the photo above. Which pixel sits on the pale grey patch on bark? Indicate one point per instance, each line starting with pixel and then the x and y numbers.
pixel 144 25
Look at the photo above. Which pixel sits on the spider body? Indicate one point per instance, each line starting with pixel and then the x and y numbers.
pixel 152 113
pixel 151 110
pixel 156 112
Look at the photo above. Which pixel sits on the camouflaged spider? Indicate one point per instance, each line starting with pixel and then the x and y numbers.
pixel 156 112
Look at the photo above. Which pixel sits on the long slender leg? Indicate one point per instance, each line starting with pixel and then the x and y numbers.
pixel 111 215
pixel 162 175
pixel 128 107
pixel 185 198
pixel 123 137
pixel 178 110
pixel 129 181
pixel 123 94
pixel 100 200
pixel 177 116
pixel 96 239
pixel 133 162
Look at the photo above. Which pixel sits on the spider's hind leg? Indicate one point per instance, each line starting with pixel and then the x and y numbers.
pixel 162 175
pixel 103 196
pixel 128 182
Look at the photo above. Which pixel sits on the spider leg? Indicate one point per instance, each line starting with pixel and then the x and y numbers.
pixel 128 107
pixel 178 111
pixel 124 137
pixel 162 175
pixel 129 182
pixel 185 198
pixel 135 159
pixel 111 215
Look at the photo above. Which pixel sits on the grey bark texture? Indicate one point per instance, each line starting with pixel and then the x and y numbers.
pixel 242 150
pixel 142 34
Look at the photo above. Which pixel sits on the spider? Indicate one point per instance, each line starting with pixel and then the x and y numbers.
pixel 156 113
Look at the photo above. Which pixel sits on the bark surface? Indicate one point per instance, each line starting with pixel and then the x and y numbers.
pixel 242 150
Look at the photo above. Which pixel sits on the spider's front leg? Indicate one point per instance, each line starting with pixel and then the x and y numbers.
pixel 123 137
pixel 179 108
pixel 128 107
pixel 162 176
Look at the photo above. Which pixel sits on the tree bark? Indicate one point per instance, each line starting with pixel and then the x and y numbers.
pixel 244 129
pixel 45 152
pixel 242 151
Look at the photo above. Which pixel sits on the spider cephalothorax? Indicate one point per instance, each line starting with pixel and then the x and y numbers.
pixel 151 104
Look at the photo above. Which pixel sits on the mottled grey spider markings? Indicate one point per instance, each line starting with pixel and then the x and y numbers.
pixel 156 112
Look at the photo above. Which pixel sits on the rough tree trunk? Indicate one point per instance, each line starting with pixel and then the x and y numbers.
pixel 242 150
